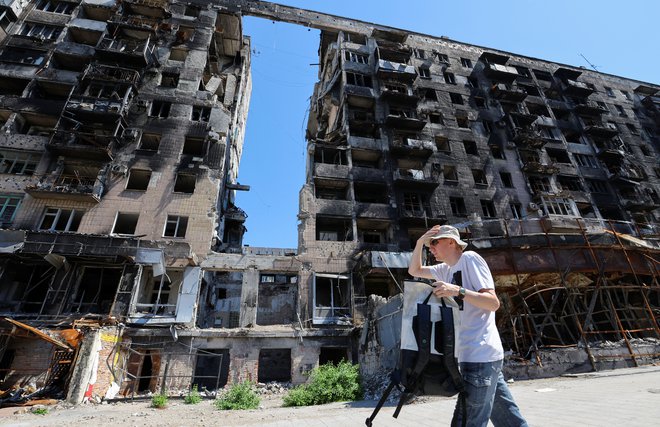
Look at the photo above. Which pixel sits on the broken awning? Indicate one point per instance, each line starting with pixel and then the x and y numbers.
pixel 38 333
pixel 390 259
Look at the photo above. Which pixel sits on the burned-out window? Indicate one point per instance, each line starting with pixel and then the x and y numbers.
pixel 470 147
pixel 185 183
pixel 558 206
pixel 632 129
pixel 356 57
pixel 56 219
pixel 542 75
pixel 150 142
pixel 429 94
pixel 416 204
pixel 516 210
pixel 8 207
pixel 331 190
pixel 586 160
pixel 419 53
pixel 335 229
pixel 450 174
pixel 488 209
pixel 540 184
pixel 466 63
pixel 332 298
pixel 436 118
pixel 479 177
pixel 620 110
pixel 370 192
pixel 125 223
pixel 330 155
pixel 449 78
pixel 570 183
pixel 609 91
pixel 463 122
pixel 200 114
pixel 18 162
pixel 558 156
pixel 40 31
pixel 358 79
pixel 169 79
pixel 457 205
pixel 194 146
pixel 160 109
pixel 496 151
pixel 523 71
pixel 54 6
pixel 372 232
pixel 442 58
pixel 175 226
pixel 507 180
pixel 138 179
pixel 597 186
pixel 456 98
pixel 424 72
pixel 23 56
pixel 442 144
pixel 178 54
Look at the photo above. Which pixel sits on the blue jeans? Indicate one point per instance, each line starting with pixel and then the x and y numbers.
pixel 488 397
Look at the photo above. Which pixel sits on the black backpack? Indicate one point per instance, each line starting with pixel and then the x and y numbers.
pixel 422 371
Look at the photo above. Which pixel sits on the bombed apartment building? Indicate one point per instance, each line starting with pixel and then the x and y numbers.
pixel 122 265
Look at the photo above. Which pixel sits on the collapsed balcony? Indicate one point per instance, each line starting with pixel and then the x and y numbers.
pixel 124 50
pixel 78 185
pixel 508 92
pixel 401 145
pixel 599 129
pixel 589 108
pixel 419 178
pixel 94 144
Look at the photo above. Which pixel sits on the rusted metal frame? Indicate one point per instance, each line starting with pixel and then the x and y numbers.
pixel 622 329
pixel 649 309
pixel 522 298
pixel 547 317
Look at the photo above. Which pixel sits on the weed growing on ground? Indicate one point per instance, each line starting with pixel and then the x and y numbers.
pixel 193 396
pixel 159 401
pixel 239 396
pixel 328 383
pixel 40 411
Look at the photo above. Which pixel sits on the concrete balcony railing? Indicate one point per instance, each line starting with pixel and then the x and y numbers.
pixel 396 70
pixel 83 145
pixel 69 187
pixel 575 88
pixel 416 178
pixel 412 147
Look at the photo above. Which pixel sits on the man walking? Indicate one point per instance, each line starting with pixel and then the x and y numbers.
pixel 466 276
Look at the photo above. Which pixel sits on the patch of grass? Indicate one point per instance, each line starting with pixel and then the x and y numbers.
pixel 40 411
pixel 193 396
pixel 159 401
pixel 239 396
pixel 328 383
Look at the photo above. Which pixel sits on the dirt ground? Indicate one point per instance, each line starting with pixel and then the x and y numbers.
pixel 140 413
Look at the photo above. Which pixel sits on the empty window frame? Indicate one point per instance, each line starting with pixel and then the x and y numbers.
pixel 450 174
pixel 160 109
pixel 497 152
pixel 23 56
pixel 586 161
pixel 569 183
pixel 620 110
pixel 373 232
pixel 8 207
pixel 442 144
pixel 416 204
pixel 424 72
pixel 609 91
pixel 125 223
pixel 150 142
pixel 169 79
pixel 330 156
pixel 18 162
pixel 331 190
pixel 185 183
pixel 597 186
pixel 516 210
pixel 456 98
pixel 332 298
pixel 558 206
pixel 178 54
pixel 194 147
pixel 466 63
pixel 436 118
pixel 450 78
pixel 358 79
pixel 488 209
pixel 335 229
pixel 358 58
pixel 523 71
pixel 507 180
pixel 138 179
pixel 480 102
pixel 55 219
pixel 470 147
pixel 40 31
pixel 429 94
pixel 558 155
pixel 419 53
pixel 632 129
pixel 542 75
pixel 442 58
pixel 175 226
pixel 540 184
pixel 463 122
pixel 54 6
pixel 479 177
pixel 369 192
pixel 200 114
pixel 367 159
pixel 457 205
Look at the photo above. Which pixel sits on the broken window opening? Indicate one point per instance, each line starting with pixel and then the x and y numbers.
pixel 366 159
pixel 150 142
pixel 138 179
pixel 278 293
pixel 185 183
pixel 194 147
pixel 456 98
pixel 23 287
pixel 40 31
pixel 8 206
pixel 479 177
pixel 516 210
pixel 331 156
pixel 358 58
pixel 331 299
pixel 470 147
pixel 540 184
pixel 488 209
pixel 333 355
pixel 178 54
pixel 175 226
pixel 367 192
pixel 54 6
pixel 125 223
pixel 436 118
pixel 56 219
pixel 466 63
pixel 450 174
pixel 331 190
pixel 449 78
pixel 334 229
pixel 200 114
pixel 274 365
pixel 160 109
pixel 96 290
pixel 507 180
pixel 211 369
pixel 373 232
pixel 23 56
pixel 457 205
pixel 357 79
pixel 442 144
pixel 169 79
pixel 158 295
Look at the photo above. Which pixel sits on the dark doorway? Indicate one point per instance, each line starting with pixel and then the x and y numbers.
pixel 146 372
pixel 332 355
pixel 211 369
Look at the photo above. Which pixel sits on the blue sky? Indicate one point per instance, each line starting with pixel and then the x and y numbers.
pixel 619 38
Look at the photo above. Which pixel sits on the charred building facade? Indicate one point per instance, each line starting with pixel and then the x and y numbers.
pixel 122 268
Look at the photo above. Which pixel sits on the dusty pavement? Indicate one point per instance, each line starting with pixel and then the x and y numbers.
pixel 628 397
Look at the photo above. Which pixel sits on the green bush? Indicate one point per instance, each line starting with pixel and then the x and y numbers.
pixel 193 396
pixel 159 401
pixel 40 411
pixel 328 383
pixel 239 396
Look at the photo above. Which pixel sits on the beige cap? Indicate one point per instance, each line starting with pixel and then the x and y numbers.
pixel 448 232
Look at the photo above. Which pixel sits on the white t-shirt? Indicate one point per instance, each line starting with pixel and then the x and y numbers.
pixel 479 340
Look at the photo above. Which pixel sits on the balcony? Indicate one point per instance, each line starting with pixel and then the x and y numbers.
pixel 536 167
pixel 67 187
pixel 151 8
pixel 326 170
pixel 393 51
pixel 359 96
pixel 575 88
pixel 500 73
pixel 131 51
pixel 135 25
pixel 420 215
pixel 96 109
pixel 106 73
pixel 638 201
pixel 412 147
pixel 528 138
pixel 396 71
pixel 93 146
pixel 404 119
pixel 505 92
pixel 589 108
pixel 601 130
pixel 415 178
pixel 396 95
pixel 610 151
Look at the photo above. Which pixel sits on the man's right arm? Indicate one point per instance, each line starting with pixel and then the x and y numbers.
pixel 416 267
